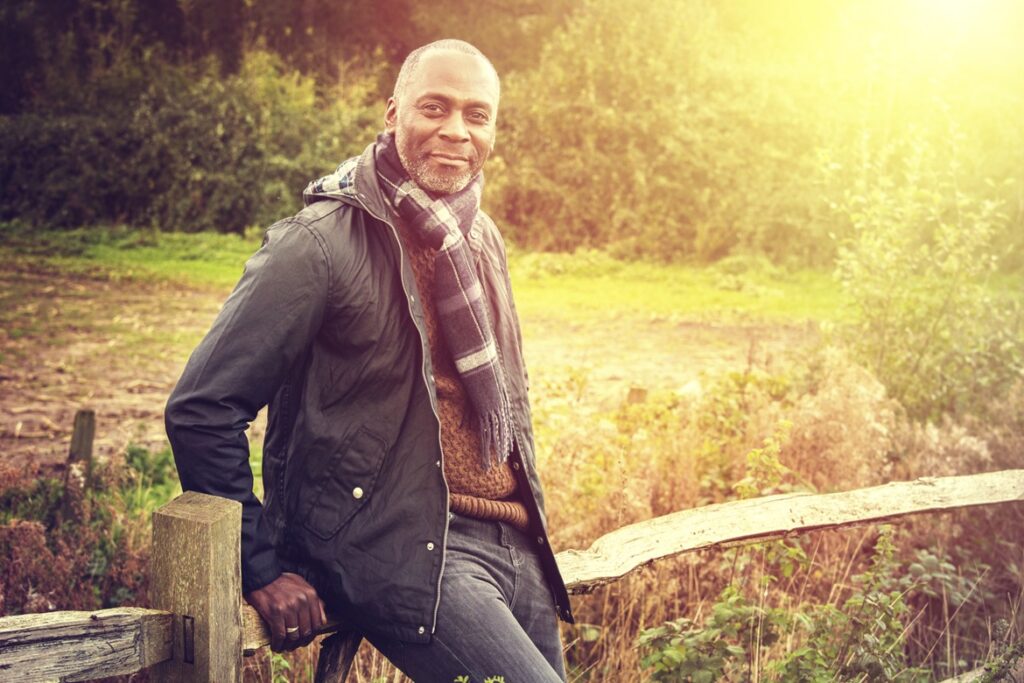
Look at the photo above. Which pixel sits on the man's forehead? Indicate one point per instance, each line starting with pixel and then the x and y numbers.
pixel 450 70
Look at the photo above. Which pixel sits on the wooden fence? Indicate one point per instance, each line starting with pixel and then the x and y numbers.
pixel 200 628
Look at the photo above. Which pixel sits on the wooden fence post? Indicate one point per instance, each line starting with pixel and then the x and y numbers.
pixel 195 574
pixel 78 475
pixel 82 436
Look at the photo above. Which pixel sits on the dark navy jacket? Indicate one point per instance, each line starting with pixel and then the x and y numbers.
pixel 326 327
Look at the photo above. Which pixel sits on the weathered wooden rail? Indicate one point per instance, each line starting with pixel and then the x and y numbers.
pixel 200 629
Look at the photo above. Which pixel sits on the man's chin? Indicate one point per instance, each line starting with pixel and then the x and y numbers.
pixel 441 182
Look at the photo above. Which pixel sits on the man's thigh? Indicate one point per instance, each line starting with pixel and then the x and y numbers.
pixel 478 635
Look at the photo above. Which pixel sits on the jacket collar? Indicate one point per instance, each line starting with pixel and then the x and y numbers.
pixel 367 187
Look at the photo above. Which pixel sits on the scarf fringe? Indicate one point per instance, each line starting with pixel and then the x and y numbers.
pixel 497 438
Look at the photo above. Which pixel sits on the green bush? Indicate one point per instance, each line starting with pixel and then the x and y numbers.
pixel 916 266
pixel 191 150
pixel 658 144
pixel 70 546
pixel 861 639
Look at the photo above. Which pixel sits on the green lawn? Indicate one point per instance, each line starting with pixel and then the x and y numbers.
pixel 587 285
pixel 648 291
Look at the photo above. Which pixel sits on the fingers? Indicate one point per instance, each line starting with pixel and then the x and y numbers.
pixel 300 614
pixel 293 611
pixel 276 621
pixel 314 611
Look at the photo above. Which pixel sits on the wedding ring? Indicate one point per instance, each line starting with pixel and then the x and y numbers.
pixel 292 629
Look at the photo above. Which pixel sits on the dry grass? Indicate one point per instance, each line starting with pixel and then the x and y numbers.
pixel 660 453
pixel 673 452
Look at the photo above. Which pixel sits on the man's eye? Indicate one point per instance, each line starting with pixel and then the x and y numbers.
pixel 479 117
pixel 432 108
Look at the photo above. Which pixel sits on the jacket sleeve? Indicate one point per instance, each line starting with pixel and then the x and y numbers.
pixel 267 323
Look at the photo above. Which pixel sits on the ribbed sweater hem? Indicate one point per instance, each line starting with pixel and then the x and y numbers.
pixel 509 511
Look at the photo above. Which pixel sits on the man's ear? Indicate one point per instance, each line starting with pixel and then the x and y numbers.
pixel 391 115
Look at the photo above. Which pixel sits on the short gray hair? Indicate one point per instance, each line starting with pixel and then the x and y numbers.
pixel 450 44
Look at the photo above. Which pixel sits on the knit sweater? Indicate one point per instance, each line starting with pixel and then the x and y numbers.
pixel 473 491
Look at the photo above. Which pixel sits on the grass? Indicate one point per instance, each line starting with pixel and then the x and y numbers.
pixel 581 287
pixel 620 465
pixel 675 292
pixel 585 285
pixel 209 260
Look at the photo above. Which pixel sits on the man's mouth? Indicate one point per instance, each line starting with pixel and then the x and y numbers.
pixel 446 159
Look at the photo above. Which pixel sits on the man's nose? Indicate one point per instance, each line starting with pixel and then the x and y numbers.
pixel 454 129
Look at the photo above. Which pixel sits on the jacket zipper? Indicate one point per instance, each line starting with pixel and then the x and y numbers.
pixel 426 382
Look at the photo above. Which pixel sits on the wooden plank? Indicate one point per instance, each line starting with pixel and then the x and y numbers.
pixel 761 519
pixel 255 633
pixel 195 574
pixel 80 646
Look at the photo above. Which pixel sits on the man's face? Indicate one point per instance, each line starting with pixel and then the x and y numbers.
pixel 444 119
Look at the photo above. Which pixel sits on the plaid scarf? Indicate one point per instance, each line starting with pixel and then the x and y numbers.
pixel 443 224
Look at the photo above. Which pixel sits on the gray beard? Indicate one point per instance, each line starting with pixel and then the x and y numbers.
pixel 437 183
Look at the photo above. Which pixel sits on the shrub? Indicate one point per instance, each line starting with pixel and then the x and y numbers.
pixel 657 144
pixel 861 639
pixel 69 548
pixel 915 268
pixel 190 150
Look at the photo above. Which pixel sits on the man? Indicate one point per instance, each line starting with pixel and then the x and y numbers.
pixel 400 486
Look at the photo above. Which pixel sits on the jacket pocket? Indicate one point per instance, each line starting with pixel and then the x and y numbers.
pixel 345 483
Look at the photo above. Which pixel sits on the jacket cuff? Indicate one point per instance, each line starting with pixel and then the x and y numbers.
pixel 259 571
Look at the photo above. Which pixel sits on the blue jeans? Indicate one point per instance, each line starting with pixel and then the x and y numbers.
pixel 496 617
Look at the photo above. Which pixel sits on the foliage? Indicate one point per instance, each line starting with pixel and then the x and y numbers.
pixel 190 149
pixel 765 474
pixel 922 600
pixel 693 142
pixel 654 166
pixel 280 667
pixel 65 547
pixel 723 420
pixel 915 268
pixel 1008 661
pixel 861 640
pixel 683 650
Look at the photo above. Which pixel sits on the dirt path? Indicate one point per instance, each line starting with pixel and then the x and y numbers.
pixel 71 342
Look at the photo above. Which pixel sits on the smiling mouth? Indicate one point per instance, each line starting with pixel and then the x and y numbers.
pixel 449 159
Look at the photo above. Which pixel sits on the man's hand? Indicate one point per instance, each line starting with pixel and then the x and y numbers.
pixel 292 609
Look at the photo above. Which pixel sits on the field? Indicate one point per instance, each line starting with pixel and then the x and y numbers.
pixel 655 388
pixel 108 322
pixel 757 248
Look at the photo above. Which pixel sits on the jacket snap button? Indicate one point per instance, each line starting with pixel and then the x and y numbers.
pixel 412 298
pixel 430 546
pixel 438 463
pixel 515 466
pixel 540 540
pixel 357 492
pixel 421 630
